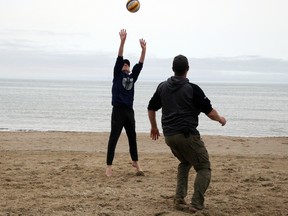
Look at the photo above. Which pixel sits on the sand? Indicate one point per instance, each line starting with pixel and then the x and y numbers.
pixel 63 173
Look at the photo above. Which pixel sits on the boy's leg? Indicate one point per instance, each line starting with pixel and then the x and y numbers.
pixel 116 128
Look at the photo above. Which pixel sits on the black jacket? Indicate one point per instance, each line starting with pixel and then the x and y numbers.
pixel 181 103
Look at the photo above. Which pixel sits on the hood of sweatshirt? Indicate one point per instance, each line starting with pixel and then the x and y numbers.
pixel 176 82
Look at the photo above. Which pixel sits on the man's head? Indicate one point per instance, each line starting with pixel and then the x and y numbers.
pixel 180 65
pixel 126 65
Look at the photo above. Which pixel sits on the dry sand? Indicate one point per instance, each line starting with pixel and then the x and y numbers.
pixel 63 173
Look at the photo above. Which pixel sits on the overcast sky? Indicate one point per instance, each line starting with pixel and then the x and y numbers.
pixel 225 40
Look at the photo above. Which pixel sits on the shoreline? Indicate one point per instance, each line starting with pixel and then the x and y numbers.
pixel 6 130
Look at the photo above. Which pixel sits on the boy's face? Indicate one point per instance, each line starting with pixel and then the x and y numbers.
pixel 126 68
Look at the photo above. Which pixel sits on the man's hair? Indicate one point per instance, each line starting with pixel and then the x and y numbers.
pixel 180 65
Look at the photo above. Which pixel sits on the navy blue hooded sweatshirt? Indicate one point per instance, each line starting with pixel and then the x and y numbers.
pixel 123 84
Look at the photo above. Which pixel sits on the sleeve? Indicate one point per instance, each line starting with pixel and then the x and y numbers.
pixel 200 100
pixel 155 102
pixel 118 65
pixel 136 70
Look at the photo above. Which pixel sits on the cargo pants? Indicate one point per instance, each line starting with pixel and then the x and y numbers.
pixel 191 152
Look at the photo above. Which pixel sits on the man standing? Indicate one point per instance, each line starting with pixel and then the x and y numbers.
pixel 122 102
pixel 181 103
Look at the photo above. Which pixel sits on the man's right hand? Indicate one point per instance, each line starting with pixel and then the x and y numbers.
pixel 154 133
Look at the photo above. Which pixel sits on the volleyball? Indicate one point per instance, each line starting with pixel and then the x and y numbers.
pixel 133 6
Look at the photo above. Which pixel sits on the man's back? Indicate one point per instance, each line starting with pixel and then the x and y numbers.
pixel 178 109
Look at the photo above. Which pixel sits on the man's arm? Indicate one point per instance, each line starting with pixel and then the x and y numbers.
pixel 143 52
pixel 123 36
pixel 213 115
pixel 154 132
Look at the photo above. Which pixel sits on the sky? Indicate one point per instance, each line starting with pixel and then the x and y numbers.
pixel 225 40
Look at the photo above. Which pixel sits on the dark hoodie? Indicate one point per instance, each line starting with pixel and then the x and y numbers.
pixel 181 104
pixel 123 84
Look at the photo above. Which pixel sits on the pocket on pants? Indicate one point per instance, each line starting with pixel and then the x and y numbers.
pixel 202 156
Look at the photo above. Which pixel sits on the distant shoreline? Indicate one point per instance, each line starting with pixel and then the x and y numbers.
pixel 67 79
pixel 3 130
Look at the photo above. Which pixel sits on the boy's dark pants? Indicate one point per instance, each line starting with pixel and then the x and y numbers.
pixel 122 117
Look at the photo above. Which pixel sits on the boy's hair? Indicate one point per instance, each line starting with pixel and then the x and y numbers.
pixel 126 61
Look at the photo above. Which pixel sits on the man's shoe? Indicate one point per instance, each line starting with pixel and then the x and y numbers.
pixel 179 201
pixel 180 204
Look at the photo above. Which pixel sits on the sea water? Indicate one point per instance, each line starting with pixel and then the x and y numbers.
pixel 52 105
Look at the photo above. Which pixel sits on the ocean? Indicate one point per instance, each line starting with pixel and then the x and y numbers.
pixel 256 110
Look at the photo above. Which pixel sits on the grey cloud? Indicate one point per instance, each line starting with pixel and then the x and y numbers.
pixel 242 63
pixel 26 62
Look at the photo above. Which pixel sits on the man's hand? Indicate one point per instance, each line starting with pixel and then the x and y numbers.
pixel 154 133
pixel 222 120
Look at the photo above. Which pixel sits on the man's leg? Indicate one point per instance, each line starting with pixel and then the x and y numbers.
pixel 182 180
pixel 201 184
pixel 191 152
pixel 176 144
pixel 202 166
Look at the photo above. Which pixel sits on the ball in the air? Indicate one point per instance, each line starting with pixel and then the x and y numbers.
pixel 133 6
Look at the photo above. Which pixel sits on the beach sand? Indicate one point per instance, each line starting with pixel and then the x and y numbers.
pixel 63 173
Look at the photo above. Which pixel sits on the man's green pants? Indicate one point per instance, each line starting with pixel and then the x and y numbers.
pixel 191 151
